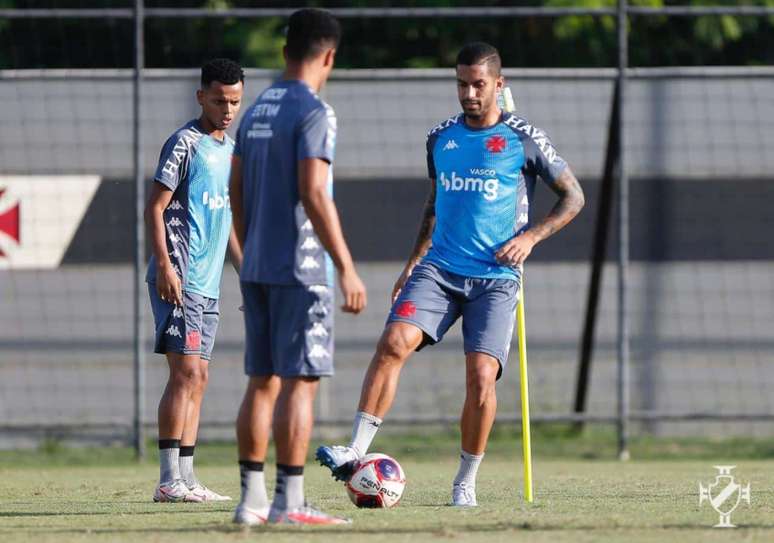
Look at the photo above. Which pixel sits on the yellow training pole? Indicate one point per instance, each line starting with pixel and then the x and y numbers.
pixel 521 327
pixel 526 440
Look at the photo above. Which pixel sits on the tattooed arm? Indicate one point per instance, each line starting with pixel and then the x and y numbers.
pixel 422 243
pixel 571 201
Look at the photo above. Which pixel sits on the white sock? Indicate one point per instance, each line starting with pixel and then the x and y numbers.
pixel 468 468
pixel 169 462
pixel 363 432
pixel 289 492
pixel 186 466
pixel 253 485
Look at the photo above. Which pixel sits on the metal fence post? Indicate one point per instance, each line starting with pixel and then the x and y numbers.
pixel 139 247
pixel 623 240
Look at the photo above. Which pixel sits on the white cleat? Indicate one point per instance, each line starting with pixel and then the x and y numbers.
pixel 340 460
pixel 174 492
pixel 250 517
pixel 464 495
pixel 306 515
pixel 206 494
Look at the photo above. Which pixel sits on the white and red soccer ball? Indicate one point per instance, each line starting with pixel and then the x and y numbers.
pixel 377 481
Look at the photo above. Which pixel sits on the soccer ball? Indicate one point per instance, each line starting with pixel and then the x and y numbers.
pixel 377 481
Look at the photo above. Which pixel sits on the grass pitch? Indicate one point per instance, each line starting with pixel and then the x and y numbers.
pixel 66 495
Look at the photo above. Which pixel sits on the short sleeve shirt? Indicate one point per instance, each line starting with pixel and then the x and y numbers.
pixel 196 168
pixel 485 182
pixel 287 123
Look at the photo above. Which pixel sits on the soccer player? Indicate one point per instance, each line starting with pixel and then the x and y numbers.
pixel 285 220
pixel 475 234
pixel 189 222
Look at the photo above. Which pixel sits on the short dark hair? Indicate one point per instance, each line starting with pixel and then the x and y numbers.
pixel 479 52
pixel 224 70
pixel 310 31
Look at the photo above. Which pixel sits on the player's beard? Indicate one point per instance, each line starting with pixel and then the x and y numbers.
pixel 475 112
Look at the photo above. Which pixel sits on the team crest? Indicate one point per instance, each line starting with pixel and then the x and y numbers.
pixel 724 495
pixel 495 144
pixel 406 309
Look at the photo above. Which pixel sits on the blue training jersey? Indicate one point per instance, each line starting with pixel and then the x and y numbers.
pixel 485 181
pixel 196 167
pixel 287 123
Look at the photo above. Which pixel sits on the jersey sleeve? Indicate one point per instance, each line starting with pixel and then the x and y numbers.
pixel 430 145
pixel 317 135
pixel 541 157
pixel 173 162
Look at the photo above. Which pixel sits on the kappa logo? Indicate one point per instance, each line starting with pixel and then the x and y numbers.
pixel 10 222
pixel 307 226
pixel 177 313
pixel 175 205
pixel 174 238
pixel 451 144
pixel 724 495
pixel 174 221
pixel 523 218
pixel 173 331
pixel 318 351
pixel 318 330
pixel 309 263
pixel 524 200
pixel 318 308
pixel 318 289
pixel 310 244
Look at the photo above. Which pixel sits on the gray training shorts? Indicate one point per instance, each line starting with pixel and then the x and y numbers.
pixel 288 330
pixel 189 329
pixel 433 299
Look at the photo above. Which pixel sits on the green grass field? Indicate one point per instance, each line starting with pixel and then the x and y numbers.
pixel 582 494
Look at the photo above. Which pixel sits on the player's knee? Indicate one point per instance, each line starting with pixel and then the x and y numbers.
pixel 187 378
pixel 481 386
pixel 204 378
pixel 393 347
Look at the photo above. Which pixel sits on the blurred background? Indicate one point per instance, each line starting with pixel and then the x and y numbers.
pixel 652 312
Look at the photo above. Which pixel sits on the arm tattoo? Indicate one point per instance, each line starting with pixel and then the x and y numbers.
pixel 571 201
pixel 425 234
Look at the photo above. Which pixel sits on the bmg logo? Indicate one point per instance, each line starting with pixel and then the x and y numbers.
pixel 455 183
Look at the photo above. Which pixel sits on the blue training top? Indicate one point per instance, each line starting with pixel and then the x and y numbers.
pixel 485 182
pixel 196 167
pixel 287 123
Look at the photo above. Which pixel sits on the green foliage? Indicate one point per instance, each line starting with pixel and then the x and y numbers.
pixel 573 41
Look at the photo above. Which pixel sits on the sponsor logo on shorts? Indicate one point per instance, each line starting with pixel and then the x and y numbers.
pixel 318 351
pixel 193 339
pixel 406 309
pixel 173 331
pixel 318 308
pixel 495 144
pixel 318 330
pixel 309 263
pixel 310 244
